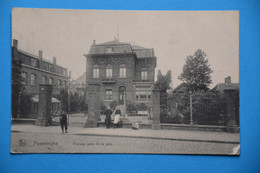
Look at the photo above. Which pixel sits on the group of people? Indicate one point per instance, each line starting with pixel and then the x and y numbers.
pixel 108 120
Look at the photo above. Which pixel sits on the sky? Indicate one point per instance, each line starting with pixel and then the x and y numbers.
pixel 174 35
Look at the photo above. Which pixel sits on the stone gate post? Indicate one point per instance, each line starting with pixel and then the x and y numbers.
pixel 229 96
pixel 156 122
pixel 93 105
pixel 44 105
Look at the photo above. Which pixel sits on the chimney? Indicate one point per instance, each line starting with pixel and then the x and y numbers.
pixel 152 52
pixel 228 80
pixel 15 43
pixel 14 49
pixel 40 55
pixel 54 60
pixel 94 42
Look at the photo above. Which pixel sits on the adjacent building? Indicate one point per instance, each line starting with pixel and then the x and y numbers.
pixel 123 71
pixel 227 85
pixel 37 70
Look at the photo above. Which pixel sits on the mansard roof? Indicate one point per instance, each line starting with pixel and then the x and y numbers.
pixel 121 47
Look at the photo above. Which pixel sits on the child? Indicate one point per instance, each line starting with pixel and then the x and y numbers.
pixel 117 117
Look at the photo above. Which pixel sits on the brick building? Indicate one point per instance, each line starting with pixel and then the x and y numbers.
pixel 37 70
pixel 122 71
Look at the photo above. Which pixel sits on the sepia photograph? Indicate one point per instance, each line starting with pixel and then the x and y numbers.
pixel 114 81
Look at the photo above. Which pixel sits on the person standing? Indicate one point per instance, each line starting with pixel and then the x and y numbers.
pixel 117 118
pixel 63 122
pixel 108 113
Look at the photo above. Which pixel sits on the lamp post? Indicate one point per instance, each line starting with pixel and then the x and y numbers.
pixel 191 118
pixel 124 111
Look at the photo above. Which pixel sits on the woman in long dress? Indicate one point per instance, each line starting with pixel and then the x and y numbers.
pixel 117 117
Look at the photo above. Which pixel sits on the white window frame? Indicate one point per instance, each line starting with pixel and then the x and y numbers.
pixel 50 81
pixel 122 71
pixel 33 79
pixel 24 77
pixel 95 71
pixel 109 71
pixel 44 80
pixel 108 94
pixel 144 75
pixel 33 62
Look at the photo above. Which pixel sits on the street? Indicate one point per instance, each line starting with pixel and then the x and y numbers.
pixel 24 142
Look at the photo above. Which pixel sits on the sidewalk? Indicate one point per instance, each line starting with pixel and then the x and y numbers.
pixel 180 135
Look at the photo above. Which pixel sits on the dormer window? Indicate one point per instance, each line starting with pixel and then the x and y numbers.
pixel 51 67
pixel 109 50
pixel 33 62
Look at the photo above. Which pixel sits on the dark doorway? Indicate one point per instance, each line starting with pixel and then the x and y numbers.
pixel 122 94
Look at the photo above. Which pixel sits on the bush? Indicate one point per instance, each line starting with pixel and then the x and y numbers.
pixel 102 108
pixel 142 107
pixel 207 108
pixel 113 105
pixel 171 117
pixel 131 109
pixel 25 105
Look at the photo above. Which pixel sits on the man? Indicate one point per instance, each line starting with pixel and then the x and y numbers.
pixel 108 113
pixel 63 122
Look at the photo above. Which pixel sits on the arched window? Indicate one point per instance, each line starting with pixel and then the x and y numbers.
pixel 50 81
pixel 33 79
pixel 44 79
pixel 95 71
pixel 24 77
pixel 144 74
pixel 109 71
pixel 122 70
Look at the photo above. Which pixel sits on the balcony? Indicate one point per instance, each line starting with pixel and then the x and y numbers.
pixel 144 81
pixel 108 80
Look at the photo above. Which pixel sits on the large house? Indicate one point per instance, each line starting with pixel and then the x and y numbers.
pixel 124 72
pixel 37 70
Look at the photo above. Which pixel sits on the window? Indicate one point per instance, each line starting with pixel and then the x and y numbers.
pixel 33 62
pixel 64 83
pixel 33 79
pixel 95 71
pixel 64 72
pixel 24 78
pixel 122 70
pixel 51 67
pixel 50 81
pixel 143 94
pixel 108 94
pixel 59 82
pixel 44 79
pixel 109 71
pixel 109 50
pixel 144 74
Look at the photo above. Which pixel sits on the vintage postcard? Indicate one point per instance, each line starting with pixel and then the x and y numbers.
pixel 106 81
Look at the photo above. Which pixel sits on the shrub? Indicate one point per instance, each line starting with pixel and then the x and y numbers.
pixel 113 105
pixel 131 108
pixel 142 107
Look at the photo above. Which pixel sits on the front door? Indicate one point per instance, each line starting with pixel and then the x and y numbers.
pixel 122 94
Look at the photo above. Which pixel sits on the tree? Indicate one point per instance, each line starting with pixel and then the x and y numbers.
pixel 16 85
pixel 163 81
pixel 196 71
pixel 63 97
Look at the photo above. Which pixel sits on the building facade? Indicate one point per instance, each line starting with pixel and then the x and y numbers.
pixel 37 70
pixel 123 71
